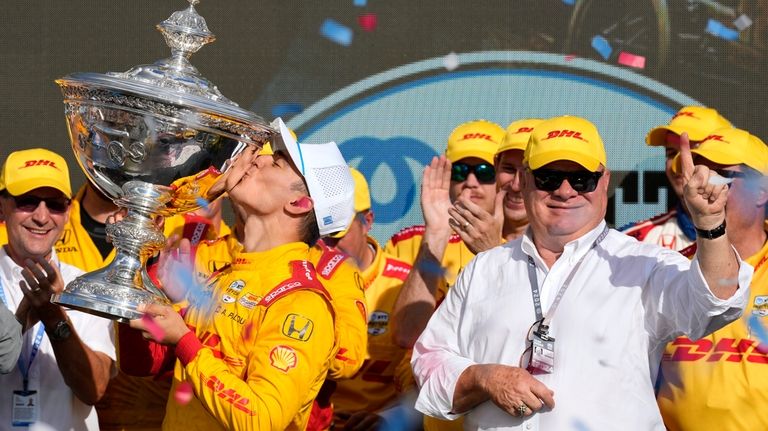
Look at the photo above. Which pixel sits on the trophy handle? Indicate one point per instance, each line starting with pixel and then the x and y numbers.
pixel 117 290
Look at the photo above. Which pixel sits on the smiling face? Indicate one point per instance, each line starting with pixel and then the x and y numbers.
pixel 509 172
pixel 32 230
pixel 563 215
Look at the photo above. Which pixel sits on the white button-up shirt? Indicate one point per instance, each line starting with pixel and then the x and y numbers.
pixel 59 407
pixel 624 303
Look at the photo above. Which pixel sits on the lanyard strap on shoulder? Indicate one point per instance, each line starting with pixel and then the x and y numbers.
pixel 535 284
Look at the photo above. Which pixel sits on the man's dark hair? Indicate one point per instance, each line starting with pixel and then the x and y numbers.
pixel 309 232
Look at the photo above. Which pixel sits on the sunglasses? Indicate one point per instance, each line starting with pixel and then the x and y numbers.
pixel 29 203
pixel 549 180
pixel 484 172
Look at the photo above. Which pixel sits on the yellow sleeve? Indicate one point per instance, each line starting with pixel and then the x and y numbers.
pixel 346 289
pixel 284 369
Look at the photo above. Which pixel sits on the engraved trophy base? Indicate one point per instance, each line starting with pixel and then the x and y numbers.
pixel 117 290
pixel 97 294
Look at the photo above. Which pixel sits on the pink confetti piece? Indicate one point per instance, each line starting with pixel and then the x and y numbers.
pixel 248 331
pixel 184 393
pixel 153 328
pixel 367 21
pixel 632 60
pixel 570 57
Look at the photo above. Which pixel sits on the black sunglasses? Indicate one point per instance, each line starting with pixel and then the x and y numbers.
pixel 29 203
pixel 484 172
pixel 549 180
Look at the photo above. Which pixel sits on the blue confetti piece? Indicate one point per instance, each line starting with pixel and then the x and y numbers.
pixel 716 28
pixel 569 2
pixel 202 202
pixel 601 45
pixel 336 32
pixel 431 267
pixel 756 326
pixel 283 109
pixel 360 3
pixel 579 425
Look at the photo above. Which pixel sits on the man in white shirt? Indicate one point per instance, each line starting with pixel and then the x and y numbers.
pixel 564 327
pixel 67 356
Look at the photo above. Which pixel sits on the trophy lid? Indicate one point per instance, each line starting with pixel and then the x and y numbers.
pixel 170 83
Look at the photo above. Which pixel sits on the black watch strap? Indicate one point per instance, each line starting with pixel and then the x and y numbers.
pixel 60 331
pixel 712 233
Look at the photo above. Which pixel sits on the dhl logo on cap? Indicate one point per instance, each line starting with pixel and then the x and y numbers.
pixel 684 114
pixel 564 134
pixel 477 136
pixel 523 130
pixel 41 162
pixel 718 138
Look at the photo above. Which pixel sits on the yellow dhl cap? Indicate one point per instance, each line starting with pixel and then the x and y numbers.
pixel 565 138
pixel 26 170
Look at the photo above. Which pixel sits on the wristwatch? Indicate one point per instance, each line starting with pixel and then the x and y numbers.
pixel 60 331
pixel 712 233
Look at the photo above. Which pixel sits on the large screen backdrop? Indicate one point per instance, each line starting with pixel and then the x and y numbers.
pixel 389 80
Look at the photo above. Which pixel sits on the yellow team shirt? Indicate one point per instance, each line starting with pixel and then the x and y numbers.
pixel 263 343
pixel 405 244
pixel 340 278
pixel 720 382
pixel 376 386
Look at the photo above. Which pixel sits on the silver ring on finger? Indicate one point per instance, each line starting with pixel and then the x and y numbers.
pixel 466 224
pixel 521 409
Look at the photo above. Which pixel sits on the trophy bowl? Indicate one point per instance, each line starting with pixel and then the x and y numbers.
pixel 157 140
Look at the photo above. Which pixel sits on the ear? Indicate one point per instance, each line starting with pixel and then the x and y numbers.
pixel 762 192
pixel 368 221
pixel 607 178
pixel 300 206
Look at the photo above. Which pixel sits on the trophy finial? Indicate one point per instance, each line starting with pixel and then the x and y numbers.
pixel 185 31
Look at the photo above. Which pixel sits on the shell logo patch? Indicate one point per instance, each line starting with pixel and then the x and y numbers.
pixel 249 300
pixel 283 358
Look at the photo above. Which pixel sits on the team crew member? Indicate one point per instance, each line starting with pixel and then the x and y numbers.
pixel 579 342
pixel 68 356
pixel 720 381
pixel 437 252
pixel 259 350
pixel 359 401
pixel 674 229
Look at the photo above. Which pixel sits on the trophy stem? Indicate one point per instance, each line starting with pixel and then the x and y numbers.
pixel 116 291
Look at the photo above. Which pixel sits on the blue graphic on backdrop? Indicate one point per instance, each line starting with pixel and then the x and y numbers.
pixel 370 153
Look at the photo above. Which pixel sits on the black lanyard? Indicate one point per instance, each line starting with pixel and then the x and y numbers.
pixel 544 325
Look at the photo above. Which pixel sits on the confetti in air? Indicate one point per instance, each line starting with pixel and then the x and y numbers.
pixel 742 22
pixel 728 281
pixel 183 394
pixel 718 180
pixel 203 203
pixel 569 2
pixel 601 45
pixel 367 21
pixel 579 425
pixel 336 32
pixel 716 28
pixel 631 60
pixel 756 327
pixel 153 328
pixel 283 109
pixel 433 268
pixel 248 331
pixel 451 61
pixel 360 3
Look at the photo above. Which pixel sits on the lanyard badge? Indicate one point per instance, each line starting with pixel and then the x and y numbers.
pixel 539 357
pixel 542 351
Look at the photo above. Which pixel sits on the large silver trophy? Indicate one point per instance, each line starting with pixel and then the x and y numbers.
pixel 156 139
